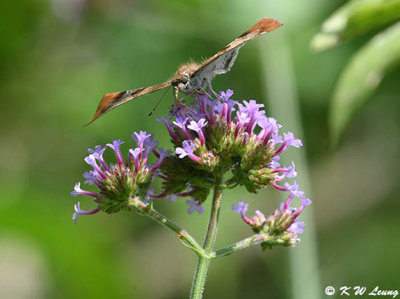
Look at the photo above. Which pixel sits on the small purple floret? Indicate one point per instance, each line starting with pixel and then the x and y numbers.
pixel 291 141
pixel 198 128
pixel 98 154
pixel 291 171
pixel 194 205
pixel 241 207
pixel 91 177
pixel 180 122
pixel 79 212
pixel 297 227
pixel 135 152
pixel 140 137
pixel 274 163
pixel 79 191
pixel 115 145
pixel 294 189
pixel 187 149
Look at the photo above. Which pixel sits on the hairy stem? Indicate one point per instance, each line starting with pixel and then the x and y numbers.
pixel 253 240
pixel 204 259
pixel 265 239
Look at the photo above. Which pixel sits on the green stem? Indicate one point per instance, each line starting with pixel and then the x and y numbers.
pixel 266 240
pixel 253 240
pixel 204 259
pixel 183 235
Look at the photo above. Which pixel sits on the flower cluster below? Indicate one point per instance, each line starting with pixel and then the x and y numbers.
pixel 121 182
pixel 283 224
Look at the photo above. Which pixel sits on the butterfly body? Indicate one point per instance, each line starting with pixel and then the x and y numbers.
pixel 192 78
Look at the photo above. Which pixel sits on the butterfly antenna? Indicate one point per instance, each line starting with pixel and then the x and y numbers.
pixel 158 103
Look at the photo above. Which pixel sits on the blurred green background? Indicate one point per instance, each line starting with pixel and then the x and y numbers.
pixel 57 59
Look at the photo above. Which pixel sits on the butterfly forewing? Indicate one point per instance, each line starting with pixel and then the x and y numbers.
pixel 115 99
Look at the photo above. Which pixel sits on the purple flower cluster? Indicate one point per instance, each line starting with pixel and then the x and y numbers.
pixel 221 136
pixel 119 182
pixel 283 223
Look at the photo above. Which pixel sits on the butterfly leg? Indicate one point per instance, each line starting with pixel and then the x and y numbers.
pixel 204 84
pixel 178 103
pixel 202 91
pixel 208 82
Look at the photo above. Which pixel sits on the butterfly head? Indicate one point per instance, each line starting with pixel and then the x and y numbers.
pixel 183 76
pixel 183 81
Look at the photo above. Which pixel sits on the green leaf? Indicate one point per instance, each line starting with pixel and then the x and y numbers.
pixel 362 76
pixel 353 19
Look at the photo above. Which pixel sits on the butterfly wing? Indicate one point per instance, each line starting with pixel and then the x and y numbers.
pixel 115 99
pixel 222 62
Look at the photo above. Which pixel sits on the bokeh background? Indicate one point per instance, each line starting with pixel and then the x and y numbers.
pixel 57 59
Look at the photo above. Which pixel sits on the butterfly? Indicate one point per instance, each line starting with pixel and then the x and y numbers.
pixel 191 79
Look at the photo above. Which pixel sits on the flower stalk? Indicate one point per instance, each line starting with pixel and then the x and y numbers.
pixel 209 241
pixel 183 235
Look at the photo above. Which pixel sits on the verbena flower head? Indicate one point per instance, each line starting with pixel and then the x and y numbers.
pixel 119 184
pixel 282 227
pixel 224 137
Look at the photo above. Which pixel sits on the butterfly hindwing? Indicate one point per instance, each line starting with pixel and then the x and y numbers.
pixel 222 62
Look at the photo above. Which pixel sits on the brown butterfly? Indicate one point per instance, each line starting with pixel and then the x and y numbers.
pixel 191 78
